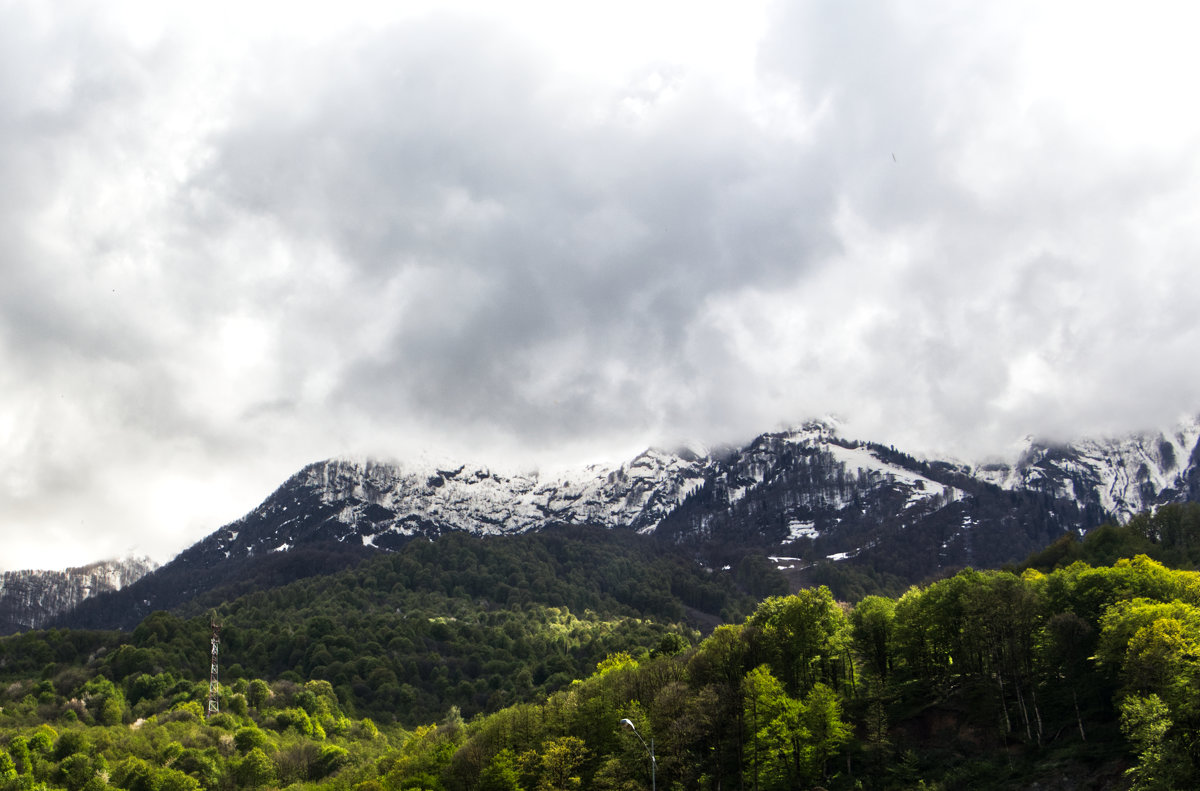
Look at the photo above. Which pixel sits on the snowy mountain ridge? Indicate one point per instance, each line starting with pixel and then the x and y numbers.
pixel 1122 475
pixel 804 495
pixel 379 502
pixel 29 599
pixel 382 504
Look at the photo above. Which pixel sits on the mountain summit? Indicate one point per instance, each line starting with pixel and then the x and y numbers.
pixel 1121 476
pixel 803 497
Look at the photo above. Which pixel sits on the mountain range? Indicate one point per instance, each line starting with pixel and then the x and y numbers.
pixel 31 599
pixel 807 499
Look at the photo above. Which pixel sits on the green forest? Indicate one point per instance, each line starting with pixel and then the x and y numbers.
pixel 479 664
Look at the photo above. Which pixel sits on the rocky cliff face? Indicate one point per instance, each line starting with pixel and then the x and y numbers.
pixel 30 599
pixel 383 504
pixel 804 493
pixel 800 497
pixel 1121 476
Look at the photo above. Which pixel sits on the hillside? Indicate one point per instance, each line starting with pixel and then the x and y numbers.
pixel 1079 678
pixel 859 517
pixel 472 621
pixel 32 599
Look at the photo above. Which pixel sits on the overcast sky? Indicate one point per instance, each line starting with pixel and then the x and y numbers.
pixel 235 240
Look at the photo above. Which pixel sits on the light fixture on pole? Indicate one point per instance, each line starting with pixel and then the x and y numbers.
pixel 649 748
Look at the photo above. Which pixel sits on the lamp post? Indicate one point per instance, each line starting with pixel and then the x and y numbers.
pixel 649 748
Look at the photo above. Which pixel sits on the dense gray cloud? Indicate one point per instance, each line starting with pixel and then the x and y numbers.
pixel 231 250
pixel 537 241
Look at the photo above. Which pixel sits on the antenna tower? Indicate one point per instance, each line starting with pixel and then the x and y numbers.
pixel 213 706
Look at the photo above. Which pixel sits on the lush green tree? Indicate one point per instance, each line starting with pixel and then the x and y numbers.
pixel 259 694
pixel 561 760
pixel 784 735
pixel 798 634
pixel 248 738
pixel 872 621
pixel 18 748
pixel 763 701
pixel 41 744
pixel 501 773
pixel 826 732
pixel 75 771
pixel 1163 764
pixel 1155 645
pixel 70 743
pixel 255 769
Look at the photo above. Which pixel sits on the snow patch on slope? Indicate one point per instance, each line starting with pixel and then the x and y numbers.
pixel 865 461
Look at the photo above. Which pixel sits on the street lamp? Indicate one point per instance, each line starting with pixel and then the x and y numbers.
pixel 649 748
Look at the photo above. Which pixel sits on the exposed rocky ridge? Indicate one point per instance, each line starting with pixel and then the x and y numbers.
pixel 383 504
pixel 800 497
pixel 1122 476
pixel 31 599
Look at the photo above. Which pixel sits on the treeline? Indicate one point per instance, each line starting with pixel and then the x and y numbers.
pixel 983 680
pixel 1170 534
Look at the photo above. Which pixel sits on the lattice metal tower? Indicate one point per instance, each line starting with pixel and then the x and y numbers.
pixel 213 705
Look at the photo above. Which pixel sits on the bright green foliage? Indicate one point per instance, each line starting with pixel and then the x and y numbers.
pixel 789 741
pixel 774 732
pixel 259 694
pixel 618 661
pixel 180 751
pixel 76 771
pixel 42 742
pixel 501 773
pixel 972 681
pixel 248 738
pixel 1162 765
pixel 561 760
pixel 255 770
pixel 295 718
pixel 872 622
pixel 18 748
pixel 366 729
pixel 188 710
pixel 105 701
pixel 1156 645
pixel 423 755
pixel 111 711
pixel 821 720
pixel 798 635
pixel 135 774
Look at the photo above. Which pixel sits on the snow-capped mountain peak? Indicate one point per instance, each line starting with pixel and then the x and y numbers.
pixel 382 504
pixel 29 599
pixel 803 494
pixel 1120 475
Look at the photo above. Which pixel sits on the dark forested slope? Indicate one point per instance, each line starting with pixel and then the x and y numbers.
pixel 472 621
